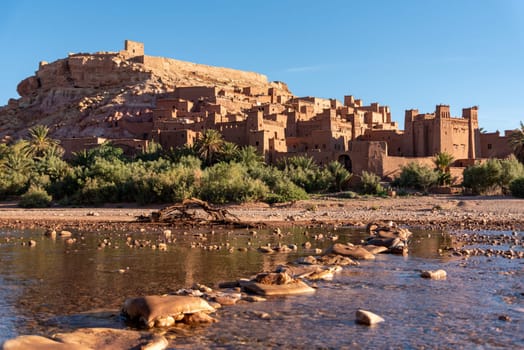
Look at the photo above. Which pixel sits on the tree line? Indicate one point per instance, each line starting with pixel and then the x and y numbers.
pixel 35 172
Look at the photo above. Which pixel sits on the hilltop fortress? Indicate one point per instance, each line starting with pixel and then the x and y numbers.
pixel 131 99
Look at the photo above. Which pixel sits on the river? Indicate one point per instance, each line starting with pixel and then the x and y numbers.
pixel 58 286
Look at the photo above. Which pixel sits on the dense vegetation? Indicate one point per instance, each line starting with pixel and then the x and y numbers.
pixel 214 170
pixel 493 176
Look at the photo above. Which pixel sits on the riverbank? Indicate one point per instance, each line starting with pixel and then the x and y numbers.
pixel 438 212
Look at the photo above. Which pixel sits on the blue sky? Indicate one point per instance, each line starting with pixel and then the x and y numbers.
pixel 405 54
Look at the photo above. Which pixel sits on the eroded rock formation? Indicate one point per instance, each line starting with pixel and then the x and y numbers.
pixel 85 95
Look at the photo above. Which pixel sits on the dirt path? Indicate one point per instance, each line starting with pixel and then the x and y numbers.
pixel 435 212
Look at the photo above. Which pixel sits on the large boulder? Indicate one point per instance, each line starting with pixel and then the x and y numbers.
pixel 163 311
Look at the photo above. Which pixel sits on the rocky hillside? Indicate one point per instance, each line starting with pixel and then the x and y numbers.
pixel 81 95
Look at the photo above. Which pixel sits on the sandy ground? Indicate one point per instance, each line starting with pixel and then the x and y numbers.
pixel 432 212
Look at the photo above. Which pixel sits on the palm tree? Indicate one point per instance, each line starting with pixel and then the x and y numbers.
pixel 340 174
pixel 209 145
pixel 301 162
pixel 516 140
pixel 229 151
pixel 17 162
pixel 39 141
pixel 443 162
pixel 249 156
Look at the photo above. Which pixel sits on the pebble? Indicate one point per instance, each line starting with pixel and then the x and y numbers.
pixel 434 275
pixel 50 233
pixel 65 233
pixel 505 318
pixel 367 318
pixel 253 298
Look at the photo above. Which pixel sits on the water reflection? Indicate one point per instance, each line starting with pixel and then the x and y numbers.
pixel 47 288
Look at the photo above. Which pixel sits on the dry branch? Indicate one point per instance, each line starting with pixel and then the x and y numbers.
pixel 194 211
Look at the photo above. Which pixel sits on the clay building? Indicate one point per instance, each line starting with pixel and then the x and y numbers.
pixel 268 117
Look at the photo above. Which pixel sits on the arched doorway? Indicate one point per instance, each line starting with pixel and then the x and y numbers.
pixel 346 162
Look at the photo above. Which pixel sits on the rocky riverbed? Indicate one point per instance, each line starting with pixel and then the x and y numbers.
pixel 428 212
pixel 108 240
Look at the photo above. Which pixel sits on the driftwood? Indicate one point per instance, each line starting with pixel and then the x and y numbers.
pixel 195 212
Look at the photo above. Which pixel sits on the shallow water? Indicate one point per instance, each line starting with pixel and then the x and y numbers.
pixel 56 286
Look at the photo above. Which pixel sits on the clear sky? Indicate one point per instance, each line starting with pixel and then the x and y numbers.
pixel 404 53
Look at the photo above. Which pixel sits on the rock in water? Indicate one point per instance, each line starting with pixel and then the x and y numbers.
pixel 355 252
pixel 367 317
pixel 153 310
pixel 108 339
pixel 65 233
pixel 36 342
pixel 197 318
pixel 434 275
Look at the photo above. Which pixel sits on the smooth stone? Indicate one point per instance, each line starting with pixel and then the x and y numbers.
pixel 306 260
pixel 375 249
pixel 253 298
pixel 226 299
pixel 367 317
pixel 339 260
pixel 265 249
pixel 434 275
pixel 302 271
pixel 197 318
pixel 273 278
pixel 292 288
pixel 65 233
pixel 149 308
pixel 108 339
pixel 355 252
pixel 324 275
pixel 50 233
pixel 36 342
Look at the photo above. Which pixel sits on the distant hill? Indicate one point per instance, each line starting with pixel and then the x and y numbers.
pixel 82 94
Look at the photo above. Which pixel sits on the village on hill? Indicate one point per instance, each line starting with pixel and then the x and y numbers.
pixel 132 99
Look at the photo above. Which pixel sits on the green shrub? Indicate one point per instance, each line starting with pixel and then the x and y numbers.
pixel 517 187
pixel 512 169
pixel 230 182
pixel 482 178
pixel 493 176
pixel 305 173
pixel 173 185
pixel 284 190
pixel 35 197
pixel 13 183
pixel 370 184
pixel 97 191
pixel 417 176
pixel 340 176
